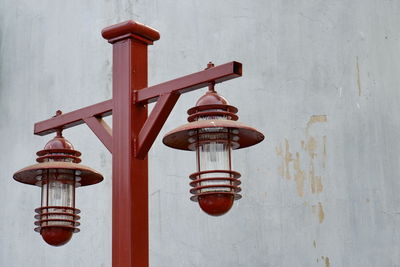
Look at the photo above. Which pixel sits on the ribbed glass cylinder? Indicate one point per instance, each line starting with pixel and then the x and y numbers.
pixel 58 192
pixel 213 152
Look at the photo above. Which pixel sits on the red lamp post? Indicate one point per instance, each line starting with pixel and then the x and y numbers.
pixel 212 133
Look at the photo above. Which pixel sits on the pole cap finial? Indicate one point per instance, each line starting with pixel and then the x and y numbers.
pixel 130 29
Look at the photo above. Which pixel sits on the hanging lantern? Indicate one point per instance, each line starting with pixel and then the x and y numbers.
pixel 213 133
pixel 58 174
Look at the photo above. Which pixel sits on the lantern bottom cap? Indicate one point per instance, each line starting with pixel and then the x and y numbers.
pixel 56 236
pixel 216 204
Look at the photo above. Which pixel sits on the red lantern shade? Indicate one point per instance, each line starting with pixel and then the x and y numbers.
pixel 58 174
pixel 213 133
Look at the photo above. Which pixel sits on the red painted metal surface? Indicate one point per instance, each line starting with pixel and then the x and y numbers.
pixel 133 133
pixel 73 118
pixel 130 174
pixel 101 129
pixel 213 121
pixel 130 29
pixel 52 158
pixel 57 236
pixel 154 123
pixel 191 82
pixel 179 137
pixel 57 163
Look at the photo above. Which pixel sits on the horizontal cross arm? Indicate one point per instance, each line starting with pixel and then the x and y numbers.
pixel 190 82
pixel 73 118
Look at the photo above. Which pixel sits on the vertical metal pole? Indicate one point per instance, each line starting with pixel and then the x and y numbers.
pixel 130 175
pixel 130 242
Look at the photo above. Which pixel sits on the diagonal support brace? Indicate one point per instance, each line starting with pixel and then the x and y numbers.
pixel 154 123
pixel 101 129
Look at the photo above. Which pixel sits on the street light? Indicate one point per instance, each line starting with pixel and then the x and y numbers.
pixel 58 174
pixel 213 132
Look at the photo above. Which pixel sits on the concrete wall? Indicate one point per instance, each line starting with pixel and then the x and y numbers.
pixel 321 81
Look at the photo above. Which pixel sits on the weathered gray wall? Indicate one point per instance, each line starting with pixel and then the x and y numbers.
pixel 321 80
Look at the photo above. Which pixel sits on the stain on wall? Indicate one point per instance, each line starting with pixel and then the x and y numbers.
pixel 315 119
pixel 299 175
pixel 284 169
pixel 318 210
pixel 358 77
pixel 326 261
pixel 305 160
pixel 303 166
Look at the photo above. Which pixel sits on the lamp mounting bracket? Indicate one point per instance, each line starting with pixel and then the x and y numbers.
pixel 164 94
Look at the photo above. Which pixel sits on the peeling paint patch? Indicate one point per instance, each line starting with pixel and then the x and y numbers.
pixel 311 147
pixel 305 160
pixel 315 119
pixel 305 165
pixel 287 158
pixel 299 175
pixel 315 181
pixel 358 77
pixel 327 262
pixel 319 211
